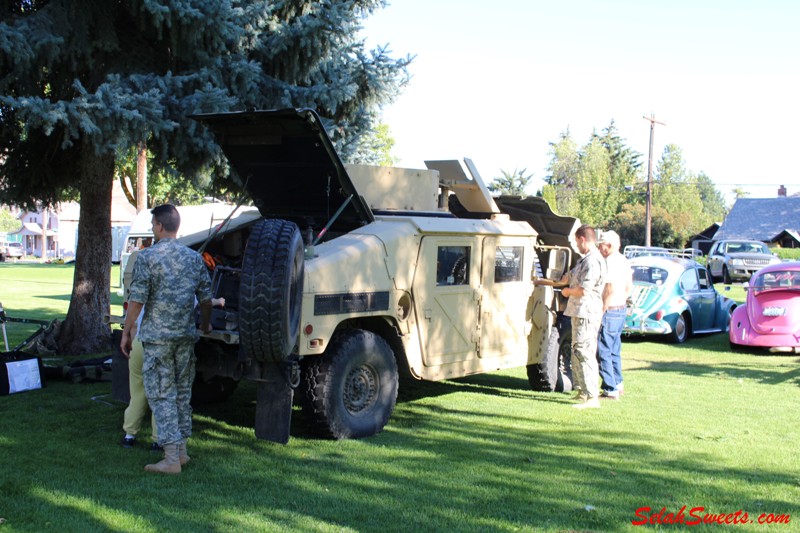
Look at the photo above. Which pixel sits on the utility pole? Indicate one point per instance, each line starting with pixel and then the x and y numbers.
pixel 649 195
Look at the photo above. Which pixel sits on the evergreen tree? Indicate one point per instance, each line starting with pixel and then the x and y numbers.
pixel 511 183
pixel 83 80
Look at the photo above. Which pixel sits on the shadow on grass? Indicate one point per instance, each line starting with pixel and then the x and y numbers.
pixel 509 471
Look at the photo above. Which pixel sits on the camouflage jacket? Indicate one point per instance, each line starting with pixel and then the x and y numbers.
pixel 589 273
pixel 168 278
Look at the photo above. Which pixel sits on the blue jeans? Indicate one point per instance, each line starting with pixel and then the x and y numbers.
pixel 609 346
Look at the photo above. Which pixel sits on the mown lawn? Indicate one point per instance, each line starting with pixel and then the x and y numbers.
pixel 698 427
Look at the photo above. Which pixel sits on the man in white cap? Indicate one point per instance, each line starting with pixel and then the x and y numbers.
pixel 619 284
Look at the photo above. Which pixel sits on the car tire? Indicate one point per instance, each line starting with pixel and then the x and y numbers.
pixel 271 290
pixel 554 373
pixel 351 390
pixel 726 276
pixel 681 330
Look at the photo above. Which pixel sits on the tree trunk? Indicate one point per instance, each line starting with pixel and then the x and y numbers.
pixel 141 178
pixel 84 330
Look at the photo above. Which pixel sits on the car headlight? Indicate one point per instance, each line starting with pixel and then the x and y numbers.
pixel 737 262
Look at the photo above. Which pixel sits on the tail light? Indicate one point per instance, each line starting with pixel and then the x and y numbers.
pixel 659 314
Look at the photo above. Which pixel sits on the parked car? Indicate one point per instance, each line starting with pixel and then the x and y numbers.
pixel 770 317
pixel 738 260
pixel 12 250
pixel 674 296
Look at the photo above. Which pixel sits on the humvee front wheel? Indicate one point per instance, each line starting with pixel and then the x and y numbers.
pixel 271 290
pixel 554 373
pixel 351 390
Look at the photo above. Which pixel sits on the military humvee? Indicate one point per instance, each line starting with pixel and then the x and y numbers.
pixel 358 274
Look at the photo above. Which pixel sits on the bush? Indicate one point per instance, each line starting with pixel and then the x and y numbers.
pixel 792 254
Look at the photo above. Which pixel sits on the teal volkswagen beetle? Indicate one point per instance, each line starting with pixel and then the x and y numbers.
pixel 674 296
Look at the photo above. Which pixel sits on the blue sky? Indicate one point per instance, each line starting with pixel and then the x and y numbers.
pixel 498 81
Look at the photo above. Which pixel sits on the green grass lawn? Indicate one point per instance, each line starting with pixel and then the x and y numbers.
pixel 698 427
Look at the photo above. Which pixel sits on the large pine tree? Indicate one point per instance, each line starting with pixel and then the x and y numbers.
pixel 82 81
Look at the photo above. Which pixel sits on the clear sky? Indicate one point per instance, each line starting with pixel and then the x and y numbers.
pixel 497 81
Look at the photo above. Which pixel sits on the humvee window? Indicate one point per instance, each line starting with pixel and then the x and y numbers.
pixel 452 265
pixel 508 264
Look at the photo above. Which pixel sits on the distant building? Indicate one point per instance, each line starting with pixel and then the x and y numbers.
pixel 762 219
pixel 60 225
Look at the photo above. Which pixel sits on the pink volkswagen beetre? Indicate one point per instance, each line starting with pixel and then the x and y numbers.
pixel 770 318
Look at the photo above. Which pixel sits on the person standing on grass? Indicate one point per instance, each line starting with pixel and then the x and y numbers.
pixel 585 308
pixel 167 277
pixel 619 284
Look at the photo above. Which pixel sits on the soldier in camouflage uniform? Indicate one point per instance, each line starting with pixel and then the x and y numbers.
pixel 168 277
pixel 585 307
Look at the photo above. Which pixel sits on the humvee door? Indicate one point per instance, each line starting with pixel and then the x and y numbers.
pixel 446 299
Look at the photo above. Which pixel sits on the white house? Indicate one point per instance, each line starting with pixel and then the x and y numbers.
pixel 60 225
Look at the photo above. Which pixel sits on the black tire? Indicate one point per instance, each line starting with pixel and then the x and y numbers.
pixel 459 271
pixel 681 330
pixel 351 390
pixel 554 373
pixel 726 276
pixel 214 390
pixel 271 290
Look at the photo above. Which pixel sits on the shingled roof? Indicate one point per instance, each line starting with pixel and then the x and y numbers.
pixel 761 218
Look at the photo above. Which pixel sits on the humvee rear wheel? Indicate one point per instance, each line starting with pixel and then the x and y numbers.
pixel 351 390
pixel 270 291
pixel 554 373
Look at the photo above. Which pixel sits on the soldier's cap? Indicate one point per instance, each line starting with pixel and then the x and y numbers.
pixel 610 236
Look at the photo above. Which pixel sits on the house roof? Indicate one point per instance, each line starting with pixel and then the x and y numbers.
pixel 707 233
pixel 786 233
pixel 761 218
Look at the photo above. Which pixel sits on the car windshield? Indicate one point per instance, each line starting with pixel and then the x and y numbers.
pixel 747 248
pixel 776 279
pixel 649 274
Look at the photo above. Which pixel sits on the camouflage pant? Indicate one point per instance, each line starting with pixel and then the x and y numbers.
pixel 584 355
pixel 168 373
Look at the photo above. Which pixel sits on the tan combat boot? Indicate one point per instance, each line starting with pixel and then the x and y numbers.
pixel 182 455
pixel 170 464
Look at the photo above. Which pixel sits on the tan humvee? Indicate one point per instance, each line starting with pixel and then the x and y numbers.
pixel 358 274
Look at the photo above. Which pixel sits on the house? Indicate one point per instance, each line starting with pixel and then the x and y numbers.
pixel 702 241
pixel 786 239
pixel 761 219
pixel 59 225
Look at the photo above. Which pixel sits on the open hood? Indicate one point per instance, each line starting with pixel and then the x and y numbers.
pixel 290 167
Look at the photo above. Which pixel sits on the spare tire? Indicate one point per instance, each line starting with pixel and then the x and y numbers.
pixel 271 290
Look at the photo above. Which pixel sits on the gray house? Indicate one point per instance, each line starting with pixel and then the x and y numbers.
pixel 761 219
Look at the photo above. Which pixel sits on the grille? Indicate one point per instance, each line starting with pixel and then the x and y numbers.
pixel 756 262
